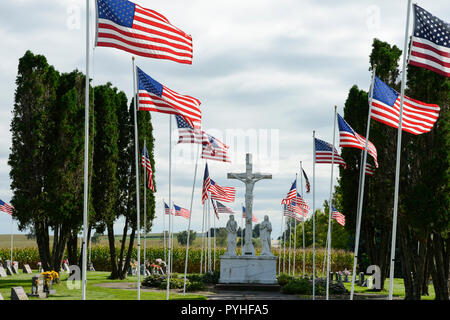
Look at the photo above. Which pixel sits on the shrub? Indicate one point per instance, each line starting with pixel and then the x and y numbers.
pixel 175 283
pixel 284 278
pixel 194 285
pixel 154 280
pixel 298 286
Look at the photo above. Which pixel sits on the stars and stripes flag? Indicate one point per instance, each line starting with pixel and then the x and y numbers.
pixel 206 184
pixel 153 96
pixel 370 170
pixel 308 185
pixel 291 212
pixel 181 212
pixel 291 194
pixel 166 209
pixel 418 117
pixel 6 207
pixel 148 166
pixel 349 138
pixel 430 47
pixel 225 194
pixel 254 219
pixel 214 149
pixel 339 217
pixel 223 209
pixel 188 133
pixel 301 204
pixel 127 26
pixel 216 212
pixel 324 153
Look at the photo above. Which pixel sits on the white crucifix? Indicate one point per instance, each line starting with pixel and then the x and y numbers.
pixel 249 178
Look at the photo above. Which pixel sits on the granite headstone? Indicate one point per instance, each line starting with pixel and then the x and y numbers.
pixel 17 293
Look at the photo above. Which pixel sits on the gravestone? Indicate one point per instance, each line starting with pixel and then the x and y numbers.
pixel 66 267
pixel 361 279
pixel 9 271
pixel 91 266
pixel 17 293
pixel 345 277
pixel 8 263
pixel 248 268
pixel 1 297
pixel 15 267
pixel 37 287
pixel 26 269
pixel 3 273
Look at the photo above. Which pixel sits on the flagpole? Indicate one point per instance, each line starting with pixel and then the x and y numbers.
pixel 303 218
pixel 279 244
pixel 164 233
pixel 295 228
pixel 284 244
pixel 203 238
pixel 190 217
pixel 209 234
pixel 397 167
pixel 170 206
pixel 145 207
pixel 314 219
pixel 289 260
pixel 361 197
pixel 214 259
pixel 242 227
pixel 329 208
pixel 86 159
pixel 12 241
pixel 138 217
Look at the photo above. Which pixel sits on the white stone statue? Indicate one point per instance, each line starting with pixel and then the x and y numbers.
pixel 265 229
pixel 231 237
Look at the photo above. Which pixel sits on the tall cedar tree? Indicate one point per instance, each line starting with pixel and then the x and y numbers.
pixel 47 154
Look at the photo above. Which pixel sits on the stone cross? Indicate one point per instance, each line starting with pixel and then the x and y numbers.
pixel 249 178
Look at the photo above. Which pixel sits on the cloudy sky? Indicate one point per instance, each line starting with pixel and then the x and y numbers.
pixel 268 73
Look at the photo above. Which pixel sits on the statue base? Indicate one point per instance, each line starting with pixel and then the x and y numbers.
pixel 248 269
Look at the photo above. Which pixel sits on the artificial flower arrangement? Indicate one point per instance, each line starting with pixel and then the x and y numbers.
pixel 49 276
pixel 158 266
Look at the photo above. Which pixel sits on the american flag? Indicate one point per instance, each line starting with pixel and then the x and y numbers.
pixel 148 166
pixel 6 207
pixel 214 149
pixel 418 117
pixel 181 212
pixel 166 209
pixel 153 96
pixel 349 138
pixel 188 133
pixel 225 194
pixel 324 153
pixel 430 48
pixel 370 171
pixel 254 219
pixel 301 204
pixel 339 217
pixel 291 194
pixel 308 186
pixel 216 212
pixel 291 212
pixel 223 209
pixel 144 32
pixel 206 184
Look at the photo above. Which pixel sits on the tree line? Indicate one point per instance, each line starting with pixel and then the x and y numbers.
pixel 47 162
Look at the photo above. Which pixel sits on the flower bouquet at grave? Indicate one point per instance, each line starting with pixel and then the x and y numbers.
pixel 49 276
pixel 159 267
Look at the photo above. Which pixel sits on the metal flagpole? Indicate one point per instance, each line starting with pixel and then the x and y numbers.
pixel 314 219
pixel 397 167
pixel 329 209
pixel 214 258
pixel 86 159
pixel 170 205
pixel 209 235
pixel 295 228
pixel 303 217
pixel 136 152
pixel 145 208
pixel 289 268
pixel 279 243
pixel 284 245
pixel 361 197
pixel 203 238
pixel 164 232
pixel 242 227
pixel 190 218
pixel 12 241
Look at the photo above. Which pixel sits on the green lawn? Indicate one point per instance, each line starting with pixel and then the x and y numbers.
pixel 399 289
pixel 92 292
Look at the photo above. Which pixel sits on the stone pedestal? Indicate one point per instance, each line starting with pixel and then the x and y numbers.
pixel 248 269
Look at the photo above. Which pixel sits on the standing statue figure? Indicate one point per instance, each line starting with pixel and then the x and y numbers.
pixel 265 229
pixel 231 237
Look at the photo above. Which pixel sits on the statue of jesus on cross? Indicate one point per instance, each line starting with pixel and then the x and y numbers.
pixel 249 178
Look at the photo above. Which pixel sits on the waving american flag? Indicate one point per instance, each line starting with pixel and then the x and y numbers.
pixel 324 153
pixel 6 207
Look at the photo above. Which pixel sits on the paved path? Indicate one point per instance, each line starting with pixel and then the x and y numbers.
pixel 215 294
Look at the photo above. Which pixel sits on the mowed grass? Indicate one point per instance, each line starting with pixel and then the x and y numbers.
pixel 399 289
pixel 93 292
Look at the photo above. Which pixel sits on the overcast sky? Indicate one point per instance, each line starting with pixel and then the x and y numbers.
pixel 268 73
